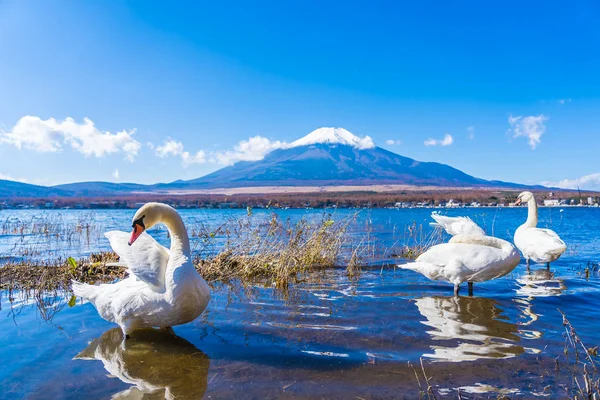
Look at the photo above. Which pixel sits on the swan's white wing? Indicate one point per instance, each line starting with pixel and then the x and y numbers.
pixel 551 235
pixel 459 262
pixel 457 225
pixel 540 244
pixel 146 259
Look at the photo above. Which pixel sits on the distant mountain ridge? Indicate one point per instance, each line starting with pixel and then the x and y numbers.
pixel 324 157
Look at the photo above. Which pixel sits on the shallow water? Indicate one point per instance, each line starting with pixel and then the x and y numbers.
pixel 331 337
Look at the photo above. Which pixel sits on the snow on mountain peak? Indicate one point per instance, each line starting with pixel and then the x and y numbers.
pixel 334 136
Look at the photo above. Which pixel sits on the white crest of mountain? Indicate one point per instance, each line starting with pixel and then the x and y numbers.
pixel 334 136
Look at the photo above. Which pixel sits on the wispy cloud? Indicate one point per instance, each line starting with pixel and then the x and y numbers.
pixel 564 101
pixel 116 176
pixel 49 136
pixel 531 127
pixel 253 149
pixel 446 141
pixel 586 182
pixel 392 142
pixel 471 132
pixel 171 147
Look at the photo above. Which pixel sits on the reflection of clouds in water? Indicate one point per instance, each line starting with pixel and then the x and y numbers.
pixel 157 363
pixel 476 323
pixel 540 283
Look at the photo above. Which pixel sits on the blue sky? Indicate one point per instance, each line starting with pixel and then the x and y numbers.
pixel 162 92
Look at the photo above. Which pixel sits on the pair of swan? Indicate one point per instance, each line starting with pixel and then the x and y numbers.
pixel 163 288
pixel 471 256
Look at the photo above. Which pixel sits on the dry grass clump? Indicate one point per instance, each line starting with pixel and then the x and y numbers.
pixel 280 250
pixel 48 285
pixel 53 277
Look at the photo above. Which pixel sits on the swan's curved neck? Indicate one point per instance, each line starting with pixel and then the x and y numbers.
pixel 180 241
pixel 532 214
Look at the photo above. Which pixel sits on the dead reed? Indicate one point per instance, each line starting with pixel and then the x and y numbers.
pixel 279 250
pixel 579 362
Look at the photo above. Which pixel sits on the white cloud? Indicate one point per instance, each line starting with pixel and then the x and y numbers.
pixel 564 101
pixel 34 133
pixel 391 142
pixel 253 149
pixel 169 148
pixel 446 141
pixel 174 148
pixel 471 132
pixel 116 175
pixel 531 127
pixel 586 182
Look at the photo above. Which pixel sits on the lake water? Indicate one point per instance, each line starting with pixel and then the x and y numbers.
pixel 332 338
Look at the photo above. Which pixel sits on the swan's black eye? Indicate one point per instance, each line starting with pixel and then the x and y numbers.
pixel 140 222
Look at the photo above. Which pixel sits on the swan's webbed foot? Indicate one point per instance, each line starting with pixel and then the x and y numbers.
pixel 470 288
pixel 456 289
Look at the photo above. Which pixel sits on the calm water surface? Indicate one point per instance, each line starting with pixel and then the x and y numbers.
pixel 336 338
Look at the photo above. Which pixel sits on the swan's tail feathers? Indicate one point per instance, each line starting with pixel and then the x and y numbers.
pixel 558 250
pixel 456 225
pixel 83 290
pixel 415 266
pixel 428 270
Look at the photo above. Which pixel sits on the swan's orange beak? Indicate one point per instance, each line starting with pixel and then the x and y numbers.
pixel 137 231
pixel 518 202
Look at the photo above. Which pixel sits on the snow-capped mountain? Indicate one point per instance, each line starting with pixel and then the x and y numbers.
pixel 334 136
pixel 333 156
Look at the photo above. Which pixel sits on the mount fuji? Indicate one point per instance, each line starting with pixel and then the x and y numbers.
pixel 334 156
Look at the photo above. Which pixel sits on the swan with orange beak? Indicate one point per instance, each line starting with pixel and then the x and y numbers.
pixel 163 288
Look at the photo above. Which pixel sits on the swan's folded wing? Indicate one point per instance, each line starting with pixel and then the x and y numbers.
pixel 551 235
pixel 457 225
pixel 146 259
pixel 541 242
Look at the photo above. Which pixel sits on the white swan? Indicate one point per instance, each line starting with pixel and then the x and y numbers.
pixel 467 258
pixel 456 225
pixel 539 245
pixel 163 288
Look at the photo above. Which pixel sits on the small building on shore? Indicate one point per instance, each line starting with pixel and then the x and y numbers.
pixel 551 203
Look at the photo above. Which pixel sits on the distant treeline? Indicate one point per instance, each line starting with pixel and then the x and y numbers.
pixel 301 200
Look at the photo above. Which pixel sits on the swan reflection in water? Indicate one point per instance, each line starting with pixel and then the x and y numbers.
pixel 159 364
pixel 476 323
pixel 537 283
pixel 540 283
